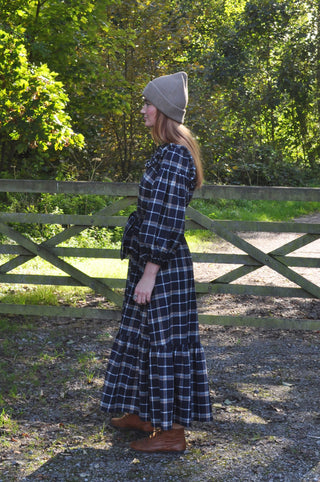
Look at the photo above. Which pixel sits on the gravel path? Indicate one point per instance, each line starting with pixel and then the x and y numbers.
pixel 265 390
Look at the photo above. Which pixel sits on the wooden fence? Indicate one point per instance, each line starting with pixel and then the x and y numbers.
pixel 250 260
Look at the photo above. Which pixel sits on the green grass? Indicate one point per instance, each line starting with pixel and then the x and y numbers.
pixel 7 424
pixel 244 210
pixel 52 295
pixel 6 326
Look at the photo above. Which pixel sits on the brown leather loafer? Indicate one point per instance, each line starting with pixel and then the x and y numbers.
pixel 131 421
pixel 162 441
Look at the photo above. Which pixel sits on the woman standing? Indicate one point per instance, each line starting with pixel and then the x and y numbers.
pixel 157 370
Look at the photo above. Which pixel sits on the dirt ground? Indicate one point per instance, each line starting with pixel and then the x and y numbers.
pixel 264 384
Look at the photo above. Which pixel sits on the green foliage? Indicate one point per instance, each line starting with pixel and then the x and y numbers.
pixel 69 204
pixel 262 72
pixel 33 103
pixel 254 84
pixel 258 166
pixel 40 295
pixel 85 52
pixel 63 204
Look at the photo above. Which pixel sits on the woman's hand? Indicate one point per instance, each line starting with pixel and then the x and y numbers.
pixel 143 290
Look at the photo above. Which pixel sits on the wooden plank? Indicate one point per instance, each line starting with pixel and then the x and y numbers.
pixel 191 225
pixel 267 227
pixel 119 283
pixel 28 186
pixel 96 253
pixel 39 250
pixel 260 226
pixel 210 258
pixel 265 322
pixel 269 193
pixel 108 220
pixel 61 311
pixel 69 187
pixel 115 315
pixel 277 193
pixel 99 188
pixel 12 249
pixel 256 253
pixel 223 258
pixel 51 280
pixel 253 290
pixel 67 252
pixel 235 274
pixel 299 261
pixel 64 219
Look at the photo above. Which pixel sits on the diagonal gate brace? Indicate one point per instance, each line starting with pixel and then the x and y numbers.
pixel 66 234
pixel 38 250
pixel 285 249
pixel 263 258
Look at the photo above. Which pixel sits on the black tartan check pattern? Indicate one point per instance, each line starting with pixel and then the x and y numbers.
pixel 157 367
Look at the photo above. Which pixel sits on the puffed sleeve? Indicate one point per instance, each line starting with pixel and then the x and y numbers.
pixel 163 226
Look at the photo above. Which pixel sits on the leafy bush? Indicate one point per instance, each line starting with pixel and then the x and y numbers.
pixel 62 204
pixel 259 166
pixel 33 115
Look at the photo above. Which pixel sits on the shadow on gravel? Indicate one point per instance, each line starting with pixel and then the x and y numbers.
pixel 265 387
pixel 114 464
pixel 121 464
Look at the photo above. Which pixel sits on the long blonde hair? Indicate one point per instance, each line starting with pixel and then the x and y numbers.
pixel 167 130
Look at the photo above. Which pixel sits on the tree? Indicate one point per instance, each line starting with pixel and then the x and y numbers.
pixel 254 81
pixel 32 109
pixel 263 71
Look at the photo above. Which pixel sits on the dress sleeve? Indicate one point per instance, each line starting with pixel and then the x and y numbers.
pixel 163 226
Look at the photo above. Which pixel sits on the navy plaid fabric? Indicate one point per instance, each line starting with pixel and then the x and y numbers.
pixel 157 367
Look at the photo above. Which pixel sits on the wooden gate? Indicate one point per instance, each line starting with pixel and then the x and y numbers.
pixel 251 260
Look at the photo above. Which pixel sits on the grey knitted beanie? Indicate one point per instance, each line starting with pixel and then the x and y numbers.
pixel 169 94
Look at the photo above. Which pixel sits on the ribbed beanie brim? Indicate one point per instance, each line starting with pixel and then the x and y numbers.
pixel 169 94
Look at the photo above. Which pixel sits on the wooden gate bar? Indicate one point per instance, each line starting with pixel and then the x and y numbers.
pixel 36 279
pixel 67 311
pixel 267 226
pixel 263 322
pixel 299 262
pixel 254 290
pixel 278 193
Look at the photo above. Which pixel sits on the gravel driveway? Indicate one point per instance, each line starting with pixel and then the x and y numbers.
pixel 264 385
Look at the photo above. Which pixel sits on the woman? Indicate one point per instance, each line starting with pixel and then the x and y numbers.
pixel 157 369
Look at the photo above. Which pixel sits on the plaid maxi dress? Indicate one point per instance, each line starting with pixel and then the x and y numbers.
pixel 157 367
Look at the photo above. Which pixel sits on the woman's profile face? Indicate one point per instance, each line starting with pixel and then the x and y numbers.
pixel 149 112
